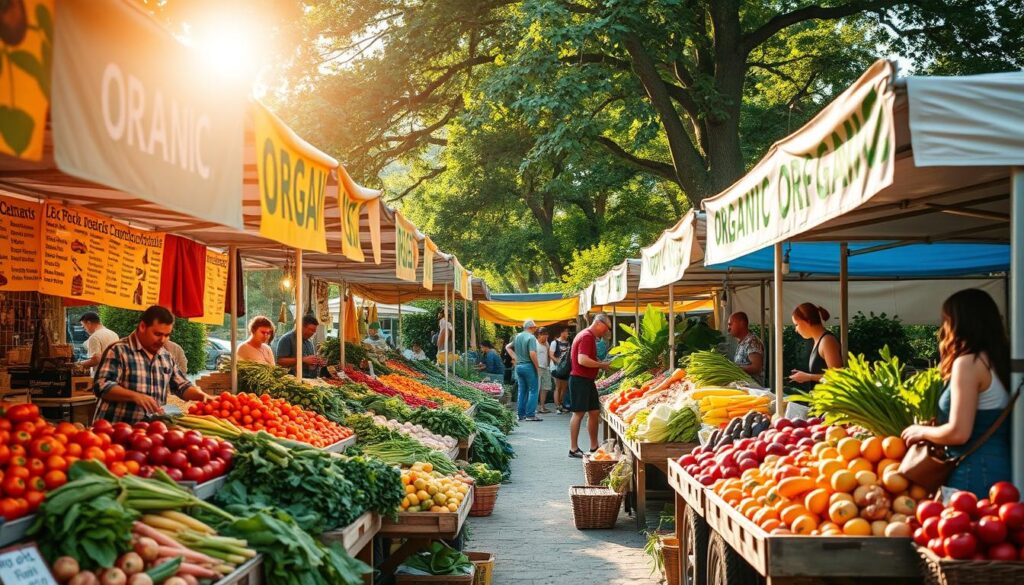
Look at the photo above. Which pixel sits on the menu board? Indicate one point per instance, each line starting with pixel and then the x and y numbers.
pixel 19 244
pixel 216 289
pixel 94 258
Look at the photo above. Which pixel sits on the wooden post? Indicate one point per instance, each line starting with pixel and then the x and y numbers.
pixel 399 337
pixel 765 338
pixel 233 291
pixel 671 327
pixel 844 299
pixel 445 332
pixel 344 310
pixel 780 406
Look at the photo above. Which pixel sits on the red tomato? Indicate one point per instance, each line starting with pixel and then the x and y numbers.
pixel 36 483
pixel 1003 492
pixel 95 453
pixel 119 469
pixel 56 462
pixel 966 502
pixel 9 509
pixel 22 412
pixel 74 450
pixel 66 428
pixel 960 546
pixel 34 499
pixel 14 487
pixel 43 448
pixel 19 471
pixel 5 454
pixel 991 530
pixel 26 426
pixel 36 467
pixel 22 504
pixel 22 437
pixel 928 509
pixel 953 524
pixel 87 439
pixel 55 478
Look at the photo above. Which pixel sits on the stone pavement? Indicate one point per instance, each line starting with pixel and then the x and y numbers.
pixel 531 532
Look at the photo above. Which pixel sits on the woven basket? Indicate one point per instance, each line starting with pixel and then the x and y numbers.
pixel 484 498
pixel 670 550
pixel 594 507
pixel 940 571
pixel 594 472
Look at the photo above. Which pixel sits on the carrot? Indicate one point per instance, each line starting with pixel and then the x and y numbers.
pixel 197 571
pixel 160 538
pixel 189 554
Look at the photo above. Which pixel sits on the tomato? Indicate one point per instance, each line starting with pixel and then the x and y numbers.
pixel 56 462
pixel 114 453
pixel 133 467
pixel 55 478
pixel 17 471
pixel 966 502
pixel 22 412
pixel 119 469
pixel 5 454
pixel 1012 514
pixel 71 459
pixel 927 509
pixel 1003 492
pixel 95 453
pixel 36 483
pixel 103 426
pixel 14 486
pixel 27 426
pixel 954 523
pixel 43 448
pixel 960 546
pixel 36 467
pixel 66 428
pixel 87 439
pixel 22 437
pixel 22 504
pixel 34 499
pixel 74 450
pixel 9 509
pixel 991 530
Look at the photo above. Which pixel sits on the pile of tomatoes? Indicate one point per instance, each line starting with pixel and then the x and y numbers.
pixel 184 455
pixel 275 416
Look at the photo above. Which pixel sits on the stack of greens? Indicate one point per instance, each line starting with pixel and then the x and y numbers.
pixel 261 379
pixel 442 421
pixel 877 397
pixel 393 447
pixel 491 447
pixel 355 354
pixel 482 474
pixel 710 368
pixel 440 559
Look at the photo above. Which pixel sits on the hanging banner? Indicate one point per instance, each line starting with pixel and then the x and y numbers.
pixel 407 253
pixel 293 184
pixel 354 199
pixel 586 299
pixel 837 161
pixel 664 262
pixel 462 283
pixel 20 231
pixel 136 110
pixel 93 258
pixel 428 263
pixel 216 289
pixel 612 287
pixel 26 34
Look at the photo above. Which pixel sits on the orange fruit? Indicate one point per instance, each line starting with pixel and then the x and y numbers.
pixel 752 511
pixel 831 466
pixel 816 501
pixel 866 478
pixel 857 527
pixel 765 514
pixel 844 481
pixel 871 449
pixel 804 524
pixel 770 524
pixel 828 453
pixel 894 448
pixel 818 448
pixel 791 512
pixel 849 448
pixel 828 525
pixel 781 532
pixel 843 512
pixel 884 465
pixel 895 482
pixel 860 464
pixel 732 496
pixel 839 497
pixel 917 492
pixel 835 434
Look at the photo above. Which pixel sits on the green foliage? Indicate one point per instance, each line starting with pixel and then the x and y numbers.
pixel 189 335
pixel 924 340
pixel 419 328
pixel 644 349
pixel 870 333
pixel 590 263
pixel 695 334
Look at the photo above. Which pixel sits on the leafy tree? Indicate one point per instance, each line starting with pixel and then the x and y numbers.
pixel 190 336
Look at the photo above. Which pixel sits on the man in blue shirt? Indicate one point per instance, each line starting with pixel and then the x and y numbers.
pixel 286 354
pixel 524 351
pixel 490 364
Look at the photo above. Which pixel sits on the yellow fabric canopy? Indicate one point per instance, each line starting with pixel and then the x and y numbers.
pixel 681 307
pixel 543 312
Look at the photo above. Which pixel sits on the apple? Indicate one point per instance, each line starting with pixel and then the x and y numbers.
pixel 174 439
pixel 193 438
pixel 960 546
pixel 1012 514
pixel 136 456
pixel 776 448
pixel 783 423
pixel 1003 492
pixel 965 502
pixel 141 443
pixel 177 460
pixel 158 455
pixel 1003 551
pixel 991 530
pixel 954 524
pixel 986 508
pixel 928 509
pixel 195 474
pixel 156 427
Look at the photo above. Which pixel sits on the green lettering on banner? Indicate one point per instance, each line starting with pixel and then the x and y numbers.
pixel 786 189
pixel 286 187
pixel 269 199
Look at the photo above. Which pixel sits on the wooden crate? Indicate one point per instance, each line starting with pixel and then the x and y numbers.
pixel 687 486
pixel 464 445
pixel 430 525
pixel 658 454
pixel 779 556
pixel 406 579
pixel 248 573
pixel 215 382
pixel 357 535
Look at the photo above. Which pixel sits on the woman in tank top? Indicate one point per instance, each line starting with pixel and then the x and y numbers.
pixel 975 364
pixel 809 321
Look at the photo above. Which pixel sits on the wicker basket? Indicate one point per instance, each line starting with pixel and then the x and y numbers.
pixel 484 498
pixel 940 571
pixel 594 472
pixel 594 507
pixel 670 550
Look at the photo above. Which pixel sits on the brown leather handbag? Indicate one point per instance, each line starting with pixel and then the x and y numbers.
pixel 927 464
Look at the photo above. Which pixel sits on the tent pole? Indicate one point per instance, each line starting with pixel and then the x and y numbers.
pixel 399 337
pixel 844 299
pixel 671 327
pixel 446 336
pixel 636 309
pixel 298 314
pixel 615 327
pixel 764 338
pixel 1016 310
pixel 233 291
pixel 465 332
pixel 344 309
pixel 780 406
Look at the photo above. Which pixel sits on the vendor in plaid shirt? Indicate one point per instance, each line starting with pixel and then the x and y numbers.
pixel 136 372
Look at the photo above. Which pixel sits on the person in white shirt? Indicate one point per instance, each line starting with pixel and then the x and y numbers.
pixel 177 355
pixel 543 368
pixel 375 340
pixel 257 348
pixel 415 354
pixel 100 338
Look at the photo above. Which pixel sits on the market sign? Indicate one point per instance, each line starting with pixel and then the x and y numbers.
pixel 19 244
pixel 293 184
pixel 216 289
pixel 428 263
pixel 26 35
pixel 407 252
pixel 664 262
pixel 136 110
pixel 93 258
pixel 354 199
pixel 837 161
pixel 586 299
pixel 463 282
pixel 612 287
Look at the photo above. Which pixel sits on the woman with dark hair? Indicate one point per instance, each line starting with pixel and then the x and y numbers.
pixel 974 361
pixel 809 320
pixel 257 348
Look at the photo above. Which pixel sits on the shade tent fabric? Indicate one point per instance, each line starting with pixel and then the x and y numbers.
pixel 526 297
pixel 544 312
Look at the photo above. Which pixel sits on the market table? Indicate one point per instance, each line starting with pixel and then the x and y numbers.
pixel 465 444
pixel 357 538
pixel 644 454
pixel 691 528
pixel 77 408
pixel 419 529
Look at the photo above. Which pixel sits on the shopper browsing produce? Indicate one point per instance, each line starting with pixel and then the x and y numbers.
pixel 557 348
pixel 490 364
pixel 809 320
pixel 543 369
pixel 177 355
pixel 583 398
pixel 100 338
pixel 524 354
pixel 137 372
pixel 750 351
pixel 975 365
pixel 415 354
pixel 286 354
pixel 256 348
pixel 374 340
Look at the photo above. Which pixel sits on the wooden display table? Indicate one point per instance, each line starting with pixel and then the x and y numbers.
pixel 357 539
pixel 465 444
pixel 691 528
pixel 420 529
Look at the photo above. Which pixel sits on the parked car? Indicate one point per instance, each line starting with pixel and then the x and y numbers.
pixel 218 351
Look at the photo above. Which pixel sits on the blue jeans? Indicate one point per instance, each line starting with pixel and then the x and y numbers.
pixel 526 378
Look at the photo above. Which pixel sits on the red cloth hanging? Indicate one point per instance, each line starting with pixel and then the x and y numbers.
pixel 183 276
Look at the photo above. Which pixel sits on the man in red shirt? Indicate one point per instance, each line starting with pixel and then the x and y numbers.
pixel 582 390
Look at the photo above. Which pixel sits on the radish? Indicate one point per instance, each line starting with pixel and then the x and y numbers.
pixel 113 576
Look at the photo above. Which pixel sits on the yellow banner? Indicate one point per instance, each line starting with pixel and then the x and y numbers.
pixel 293 181
pixel 407 253
pixel 373 217
pixel 92 257
pixel 355 199
pixel 19 244
pixel 216 289
pixel 428 263
pixel 26 33
pixel 351 209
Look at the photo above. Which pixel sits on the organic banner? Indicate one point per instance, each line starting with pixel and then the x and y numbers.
pixel 586 298
pixel 354 199
pixel 19 244
pixel 462 284
pixel 664 262
pixel 611 288
pixel 94 258
pixel 136 110
pixel 837 161
pixel 293 184
pixel 407 253
pixel 428 263
pixel 26 34
pixel 216 289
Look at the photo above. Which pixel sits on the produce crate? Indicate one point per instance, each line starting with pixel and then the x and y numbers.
pixel 781 556
pixel 657 454
pixel 11 532
pixel 248 573
pixel 483 562
pixel 341 446
pixel 356 535
pixel 941 571
pixel 438 525
pixel 406 579
pixel 687 486
pixel 205 490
